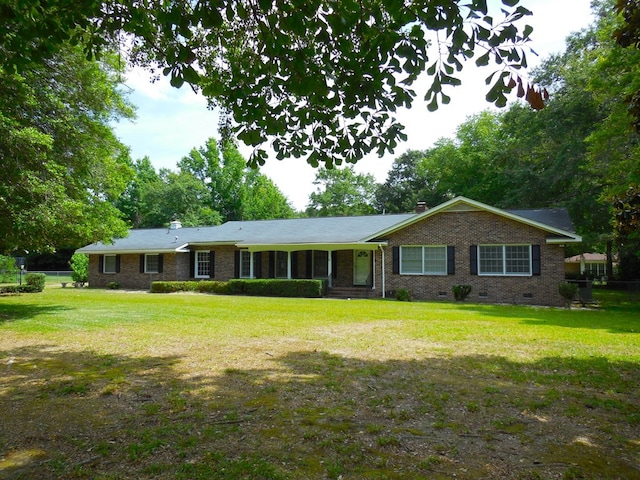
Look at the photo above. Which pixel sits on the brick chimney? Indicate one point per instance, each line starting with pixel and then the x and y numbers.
pixel 421 207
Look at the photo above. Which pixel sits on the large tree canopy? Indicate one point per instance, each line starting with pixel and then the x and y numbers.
pixel 61 164
pixel 320 79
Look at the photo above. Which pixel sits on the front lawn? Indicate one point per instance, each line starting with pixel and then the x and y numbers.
pixel 119 385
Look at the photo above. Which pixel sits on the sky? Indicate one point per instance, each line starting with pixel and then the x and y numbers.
pixel 171 122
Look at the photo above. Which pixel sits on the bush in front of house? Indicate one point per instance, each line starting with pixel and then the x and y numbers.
pixel 568 291
pixel 36 281
pixel 460 292
pixel 403 295
pixel 80 267
pixel 212 286
pixel 172 287
pixel 277 288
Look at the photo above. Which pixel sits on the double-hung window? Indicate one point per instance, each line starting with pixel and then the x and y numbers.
pixel 423 260
pixel 245 264
pixel 109 264
pixel 151 263
pixel 504 260
pixel 202 264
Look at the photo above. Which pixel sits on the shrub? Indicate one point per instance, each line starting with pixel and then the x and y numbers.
pixel 211 286
pixel 568 291
pixel 460 292
pixel 80 265
pixel 36 281
pixel 172 287
pixel 113 285
pixel 277 288
pixel 403 295
pixel 8 269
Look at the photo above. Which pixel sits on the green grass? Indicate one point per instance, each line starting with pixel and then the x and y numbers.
pixel 115 385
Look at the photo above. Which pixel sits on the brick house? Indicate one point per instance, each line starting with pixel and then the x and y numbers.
pixel 507 256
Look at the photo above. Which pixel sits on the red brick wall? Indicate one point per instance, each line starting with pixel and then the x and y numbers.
pixel 463 229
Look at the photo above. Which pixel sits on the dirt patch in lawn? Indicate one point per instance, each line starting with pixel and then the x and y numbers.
pixel 292 410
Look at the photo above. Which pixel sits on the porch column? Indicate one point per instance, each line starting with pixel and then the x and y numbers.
pixel 329 269
pixel 250 264
pixel 373 273
pixel 384 287
pixel 288 265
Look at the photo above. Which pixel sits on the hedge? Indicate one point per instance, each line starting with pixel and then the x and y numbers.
pixel 263 287
pixel 277 288
pixel 34 284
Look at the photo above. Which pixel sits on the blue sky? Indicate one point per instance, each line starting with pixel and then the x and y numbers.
pixel 171 122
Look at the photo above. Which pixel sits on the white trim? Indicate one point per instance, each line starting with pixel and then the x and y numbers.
pixel 104 263
pixel 422 268
pixel 196 273
pixel 504 261
pixel 455 205
pixel 146 268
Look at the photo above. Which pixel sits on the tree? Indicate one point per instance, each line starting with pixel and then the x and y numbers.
pixel 79 264
pixel 628 35
pixel 234 190
pixel 61 164
pixel 342 192
pixel 408 182
pixel 627 225
pixel 320 78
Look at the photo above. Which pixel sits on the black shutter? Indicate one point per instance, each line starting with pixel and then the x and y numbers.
pixel 117 263
pixel 473 258
pixel 334 264
pixel 272 263
pixel 309 263
pixel 535 259
pixel 101 264
pixel 160 263
pixel 396 259
pixel 192 264
pixel 236 264
pixel 142 263
pixel 257 265
pixel 451 260
pixel 212 264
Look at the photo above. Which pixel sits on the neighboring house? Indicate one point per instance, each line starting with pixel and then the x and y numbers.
pixel 506 256
pixel 592 265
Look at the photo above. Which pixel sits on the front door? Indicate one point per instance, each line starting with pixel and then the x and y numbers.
pixel 362 267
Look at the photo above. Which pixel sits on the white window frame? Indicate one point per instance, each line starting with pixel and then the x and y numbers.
pixel 423 270
pixel 198 262
pixel 104 263
pixel 245 256
pixel 503 251
pixel 146 263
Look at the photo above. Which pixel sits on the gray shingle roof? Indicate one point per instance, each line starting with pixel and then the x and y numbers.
pixel 324 230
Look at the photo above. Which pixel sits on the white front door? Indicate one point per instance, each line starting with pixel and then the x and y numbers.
pixel 362 267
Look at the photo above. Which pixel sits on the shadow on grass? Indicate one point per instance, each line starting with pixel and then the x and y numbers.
pixel 13 312
pixel 314 415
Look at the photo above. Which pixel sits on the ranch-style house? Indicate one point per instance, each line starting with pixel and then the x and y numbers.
pixel 507 256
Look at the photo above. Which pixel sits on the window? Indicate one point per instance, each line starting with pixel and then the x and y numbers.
pixel 423 260
pixel 595 269
pixel 202 264
pixel 320 264
pixel 504 259
pixel 281 264
pixel 110 264
pixel 151 263
pixel 245 264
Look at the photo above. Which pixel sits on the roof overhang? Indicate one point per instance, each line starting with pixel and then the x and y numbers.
pixel 463 204
pixel 113 251
pixel 293 247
